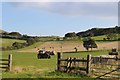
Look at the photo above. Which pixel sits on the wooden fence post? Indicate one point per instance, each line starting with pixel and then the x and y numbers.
pixel 58 60
pixel 83 63
pixel 88 67
pixel 10 62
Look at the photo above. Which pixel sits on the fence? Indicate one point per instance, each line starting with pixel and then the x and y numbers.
pixel 73 64
pixel 98 67
pixel 105 67
pixel 6 63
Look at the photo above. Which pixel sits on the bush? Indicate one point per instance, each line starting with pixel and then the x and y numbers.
pixel 17 45
pixel 89 43
pixel 30 41
pixel 104 39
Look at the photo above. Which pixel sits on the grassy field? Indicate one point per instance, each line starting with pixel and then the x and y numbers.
pixel 99 37
pixel 26 65
pixel 37 44
pixel 8 42
pixel 68 46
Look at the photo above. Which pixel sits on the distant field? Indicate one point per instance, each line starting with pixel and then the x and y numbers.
pixel 26 64
pixel 99 37
pixel 67 46
pixel 37 44
pixel 8 42
pixel 47 38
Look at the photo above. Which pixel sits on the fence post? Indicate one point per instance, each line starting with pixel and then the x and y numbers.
pixel 58 60
pixel 83 62
pixel 10 62
pixel 88 67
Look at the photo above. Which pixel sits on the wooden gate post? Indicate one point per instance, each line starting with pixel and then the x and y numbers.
pixel 10 62
pixel 88 67
pixel 58 60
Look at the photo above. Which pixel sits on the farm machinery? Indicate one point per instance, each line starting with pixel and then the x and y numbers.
pixel 113 52
pixel 45 54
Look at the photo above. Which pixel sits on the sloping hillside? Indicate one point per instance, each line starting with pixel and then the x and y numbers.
pixel 9 42
pixel 68 46
pixel 2 31
pixel 99 31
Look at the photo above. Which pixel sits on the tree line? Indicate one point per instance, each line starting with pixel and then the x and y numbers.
pixel 16 35
pixel 88 42
pixel 110 34
pixel 99 31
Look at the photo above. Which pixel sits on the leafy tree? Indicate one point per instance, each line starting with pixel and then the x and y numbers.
pixel 99 31
pixel 57 39
pixel 5 33
pixel 31 41
pixel 70 34
pixel 89 43
pixel 104 39
pixel 24 37
pixel 16 45
pixel 91 34
pixel 15 34
pixel 36 39
pixel 111 36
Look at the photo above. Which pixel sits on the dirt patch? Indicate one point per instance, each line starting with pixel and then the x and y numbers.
pixel 19 69
pixel 70 45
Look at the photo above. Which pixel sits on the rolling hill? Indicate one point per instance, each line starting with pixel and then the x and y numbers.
pixel 8 42
pixel 1 31
pixel 99 31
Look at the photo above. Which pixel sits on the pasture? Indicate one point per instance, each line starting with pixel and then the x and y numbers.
pixel 26 64
pixel 9 42
pixel 67 46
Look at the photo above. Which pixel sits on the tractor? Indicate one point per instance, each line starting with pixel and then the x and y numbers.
pixel 43 54
pixel 113 52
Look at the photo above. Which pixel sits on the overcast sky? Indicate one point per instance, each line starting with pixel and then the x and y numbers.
pixel 57 18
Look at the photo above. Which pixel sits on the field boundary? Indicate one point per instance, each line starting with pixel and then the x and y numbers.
pixel 99 67
pixel 73 64
pixel 6 63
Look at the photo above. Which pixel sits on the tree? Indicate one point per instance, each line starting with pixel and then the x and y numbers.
pixel 36 39
pixel 111 36
pixel 57 39
pixel 91 34
pixel 71 36
pixel 17 45
pixel 15 34
pixel 5 33
pixel 31 41
pixel 89 43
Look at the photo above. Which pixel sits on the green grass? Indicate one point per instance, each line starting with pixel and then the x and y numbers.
pixel 83 54
pixel 49 38
pixel 99 37
pixel 37 44
pixel 9 42
pixel 26 64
